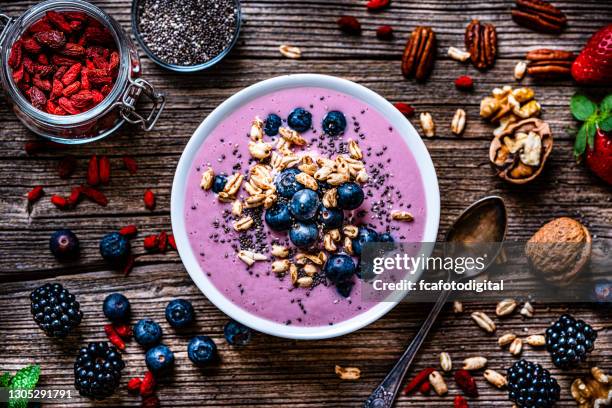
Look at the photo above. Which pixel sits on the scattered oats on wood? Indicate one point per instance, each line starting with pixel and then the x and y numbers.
pixel 438 383
pixel 427 124
pixel 305 282
pixel 257 130
pixel 484 321
pixel 445 362
pixel 458 122
pixel 457 54
pixel 307 181
pixel 527 310
pixel 281 266
pixel 506 307
pixel 237 208
pixel 260 150
pixel 330 198
pixel 348 373
pixel 207 179
pixel 536 340
pixel 519 70
pixel 495 378
pixel 290 51
pixel 350 231
pixel 401 216
pixel 280 251
pixel 506 339
pixel 516 347
pixel 457 307
pixel 243 224
pixel 354 150
pixel 474 363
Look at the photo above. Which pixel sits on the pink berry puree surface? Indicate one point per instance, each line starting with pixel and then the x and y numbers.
pixel 394 184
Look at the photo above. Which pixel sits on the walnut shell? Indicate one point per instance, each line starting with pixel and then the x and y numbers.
pixel 559 250
pixel 508 165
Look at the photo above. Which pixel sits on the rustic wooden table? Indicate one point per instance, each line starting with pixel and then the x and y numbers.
pixel 271 371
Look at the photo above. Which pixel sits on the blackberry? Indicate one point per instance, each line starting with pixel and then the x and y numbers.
pixel 97 370
pixel 55 309
pixel 569 341
pixel 531 386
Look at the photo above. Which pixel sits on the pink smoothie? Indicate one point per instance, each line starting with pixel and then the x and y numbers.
pixel 395 184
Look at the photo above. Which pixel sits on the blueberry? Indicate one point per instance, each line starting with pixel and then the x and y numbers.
pixel 602 292
pixel 339 268
pixel 350 196
pixel 345 288
pixel 273 122
pixel 237 334
pixel 278 217
pixel 219 183
pixel 300 120
pixel 304 234
pixel 179 313
pixel 116 308
pixel 159 359
pixel 115 249
pixel 330 218
pixel 147 333
pixel 64 245
pixel 202 350
pixel 386 237
pixel 334 123
pixel 304 204
pixel 286 184
pixel 364 236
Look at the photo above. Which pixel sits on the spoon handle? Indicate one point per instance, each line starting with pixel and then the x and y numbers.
pixel 384 395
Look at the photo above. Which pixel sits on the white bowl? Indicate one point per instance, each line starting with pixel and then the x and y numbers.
pixel 395 118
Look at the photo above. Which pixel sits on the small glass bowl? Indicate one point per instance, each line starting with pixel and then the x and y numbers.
pixel 185 68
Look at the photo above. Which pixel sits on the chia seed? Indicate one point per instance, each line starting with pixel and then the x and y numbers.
pixel 187 32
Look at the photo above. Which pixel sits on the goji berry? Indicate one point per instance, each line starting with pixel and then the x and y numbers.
pixel 97 96
pixel 42 84
pixel 31 45
pixel 57 59
pixel 75 196
pixel 56 88
pixel 113 337
pixel 67 105
pixel 114 61
pixel 94 195
pixel 172 241
pixel 93 171
pixel 384 32
pixel 37 98
pixel 128 231
pixel 162 243
pixel 57 19
pixel 405 109
pixel 60 202
pixel 82 99
pixel 377 4
pixel 52 39
pixel 42 59
pixel 71 89
pixel 124 330
pixel 97 35
pixel 75 15
pixel 460 402
pixel 104 81
pixel 464 82
pixel 35 194
pixel 147 387
pixel 85 79
pixel 72 74
pixel 105 169
pixel 466 382
pixel 349 25
pixel 39 145
pixel 425 387
pixel 66 167
pixel 18 74
pixel 151 242
pixel 149 200
pixel 130 164
pixel 150 402
pixel 129 265
pixel 16 55
pixel 40 25
pixel 418 379
pixel 133 385
pixel 72 50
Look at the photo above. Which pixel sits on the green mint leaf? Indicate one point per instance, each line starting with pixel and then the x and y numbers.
pixel 606 124
pixel 581 140
pixel 606 104
pixel 5 380
pixel 25 379
pixel 582 107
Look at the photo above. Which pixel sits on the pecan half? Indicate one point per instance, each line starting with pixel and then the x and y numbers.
pixel 419 53
pixel 539 15
pixel 545 63
pixel 481 43
pixel 519 153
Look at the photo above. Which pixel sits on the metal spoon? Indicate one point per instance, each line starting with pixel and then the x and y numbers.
pixel 485 221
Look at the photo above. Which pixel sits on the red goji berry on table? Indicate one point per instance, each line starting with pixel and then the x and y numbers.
pixel 93 171
pixel 129 265
pixel 104 167
pixel 130 164
pixel 425 387
pixel 349 25
pixel 377 4
pixel 128 231
pixel 460 402
pixel 464 83
pixel 466 382
pixel 172 241
pixel 133 385
pixel 94 195
pixel 36 146
pixel 75 196
pixel 113 337
pixel 147 387
pixel 149 200
pixel 405 109
pixel 151 242
pixel 418 379
pixel 384 32
pixel 150 402
pixel 66 167
pixel 60 202
pixel 162 243
pixel 123 330
pixel 35 194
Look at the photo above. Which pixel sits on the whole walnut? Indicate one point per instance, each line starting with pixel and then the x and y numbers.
pixel 559 250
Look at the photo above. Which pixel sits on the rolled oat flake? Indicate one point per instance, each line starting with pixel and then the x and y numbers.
pixel 187 32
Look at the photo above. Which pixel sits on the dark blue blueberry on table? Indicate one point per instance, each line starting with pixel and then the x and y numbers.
pixel 304 204
pixel 569 341
pixel 386 237
pixel 278 217
pixel 159 359
pixel 304 234
pixel 147 333
pixel 237 334
pixel 55 309
pixel 300 120
pixel 286 184
pixel 339 268
pixel 97 370
pixel 219 183
pixel 115 249
pixel 202 351
pixel 273 123
pixel 330 218
pixel 64 245
pixel 116 308
pixel 334 123
pixel 602 292
pixel 179 313
pixel 350 196
pixel 364 236
pixel 531 385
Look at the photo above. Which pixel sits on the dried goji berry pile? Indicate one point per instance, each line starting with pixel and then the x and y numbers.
pixel 65 63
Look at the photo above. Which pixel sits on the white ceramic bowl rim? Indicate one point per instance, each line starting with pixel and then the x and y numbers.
pixel 395 118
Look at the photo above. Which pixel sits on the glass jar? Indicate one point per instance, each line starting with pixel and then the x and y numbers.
pixel 118 107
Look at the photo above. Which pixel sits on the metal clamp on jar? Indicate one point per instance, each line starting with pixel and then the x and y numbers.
pixel 119 103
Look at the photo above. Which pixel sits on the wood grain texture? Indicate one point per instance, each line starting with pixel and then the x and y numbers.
pixel 270 371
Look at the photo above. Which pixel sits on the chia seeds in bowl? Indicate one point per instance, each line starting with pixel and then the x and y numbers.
pixel 186 35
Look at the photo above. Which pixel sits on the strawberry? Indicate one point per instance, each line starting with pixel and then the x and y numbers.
pixel 594 64
pixel 595 135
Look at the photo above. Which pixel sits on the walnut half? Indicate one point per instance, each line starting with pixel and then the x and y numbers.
pixel 520 152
